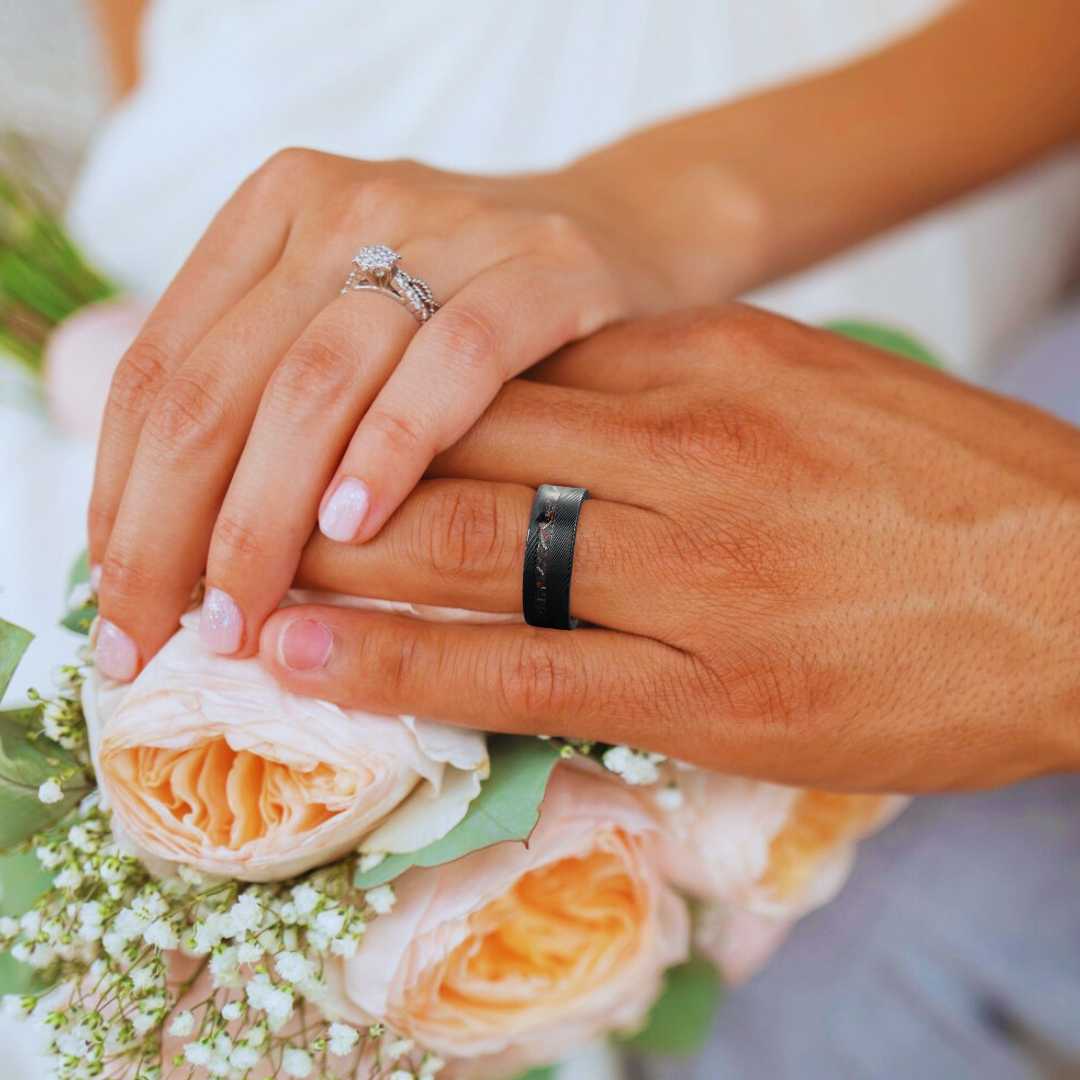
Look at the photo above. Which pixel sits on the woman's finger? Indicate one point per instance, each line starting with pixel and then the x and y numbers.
pixel 241 246
pixel 499 324
pixel 307 414
pixel 188 448
pixel 589 683
pixel 461 544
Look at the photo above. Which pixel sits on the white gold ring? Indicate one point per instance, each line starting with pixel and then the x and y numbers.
pixel 375 268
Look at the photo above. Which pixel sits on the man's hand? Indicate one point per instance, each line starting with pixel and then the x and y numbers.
pixel 803 559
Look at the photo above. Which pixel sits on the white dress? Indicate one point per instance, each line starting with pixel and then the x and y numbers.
pixel 486 86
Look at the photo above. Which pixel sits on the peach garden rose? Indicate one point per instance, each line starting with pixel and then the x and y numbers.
pixel 207 762
pixel 759 855
pixel 518 954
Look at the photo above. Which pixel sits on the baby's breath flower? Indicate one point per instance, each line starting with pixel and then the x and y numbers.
pixel 293 967
pixel 161 935
pixel 342 1039
pixel 249 953
pixel 381 899
pixel 183 1024
pixel 49 857
pixel 430 1066
pixel 297 1062
pixel 397 1049
pixel 244 1057
pixel 371 860
pixel 305 898
pixel 68 879
pixel 197 1053
pixel 51 791
pixel 632 766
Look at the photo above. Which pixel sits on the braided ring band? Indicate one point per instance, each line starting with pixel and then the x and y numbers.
pixel 375 268
pixel 549 556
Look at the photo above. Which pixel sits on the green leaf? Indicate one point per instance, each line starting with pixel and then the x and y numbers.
pixel 14 641
pixel 885 337
pixel 79 618
pixel 507 808
pixel 680 1021
pixel 22 881
pixel 545 1072
pixel 26 763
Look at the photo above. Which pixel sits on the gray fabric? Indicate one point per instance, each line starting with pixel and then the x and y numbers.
pixel 954 951
pixel 959 929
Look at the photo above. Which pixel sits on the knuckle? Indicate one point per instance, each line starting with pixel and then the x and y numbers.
pixel 559 232
pixel 123 577
pixel 188 415
pixel 759 687
pixel 404 438
pixel 139 377
pixel 535 680
pixel 235 540
pixel 379 196
pixel 461 534
pixel 393 657
pixel 469 340
pixel 316 369
pixel 706 434
pixel 287 164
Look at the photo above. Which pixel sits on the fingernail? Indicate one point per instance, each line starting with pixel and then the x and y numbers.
pixel 305 645
pixel 221 626
pixel 115 653
pixel 95 577
pixel 343 513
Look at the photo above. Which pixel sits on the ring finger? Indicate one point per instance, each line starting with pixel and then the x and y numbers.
pixel 461 543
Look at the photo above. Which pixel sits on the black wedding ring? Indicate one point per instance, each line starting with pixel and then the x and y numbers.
pixel 549 556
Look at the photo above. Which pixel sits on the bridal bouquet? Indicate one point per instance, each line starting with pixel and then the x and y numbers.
pixel 237 882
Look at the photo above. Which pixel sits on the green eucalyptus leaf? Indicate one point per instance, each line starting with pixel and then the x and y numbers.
pixel 545 1072
pixel 26 762
pixel 507 808
pixel 680 1020
pixel 14 641
pixel 885 337
pixel 79 617
pixel 22 881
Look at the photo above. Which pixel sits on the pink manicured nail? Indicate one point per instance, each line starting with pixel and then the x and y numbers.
pixel 221 626
pixel 95 577
pixel 305 645
pixel 115 653
pixel 343 513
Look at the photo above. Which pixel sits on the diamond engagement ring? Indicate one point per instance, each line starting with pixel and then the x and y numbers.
pixel 375 267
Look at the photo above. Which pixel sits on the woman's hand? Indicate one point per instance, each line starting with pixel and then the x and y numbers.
pixel 256 398
pixel 804 560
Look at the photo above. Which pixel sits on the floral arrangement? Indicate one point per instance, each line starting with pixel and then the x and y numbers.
pixel 236 882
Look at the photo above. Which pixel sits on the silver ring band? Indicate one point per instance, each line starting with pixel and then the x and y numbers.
pixel 375 268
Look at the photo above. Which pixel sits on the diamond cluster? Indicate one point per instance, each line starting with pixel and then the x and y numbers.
pixel 376 259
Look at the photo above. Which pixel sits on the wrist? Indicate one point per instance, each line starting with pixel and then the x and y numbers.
pixel 702 230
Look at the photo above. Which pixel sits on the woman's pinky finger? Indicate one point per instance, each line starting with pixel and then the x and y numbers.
pixel 499 324
pixel 591 683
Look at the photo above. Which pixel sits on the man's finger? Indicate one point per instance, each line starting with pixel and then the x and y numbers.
pixel 589 683
pixel 461 544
